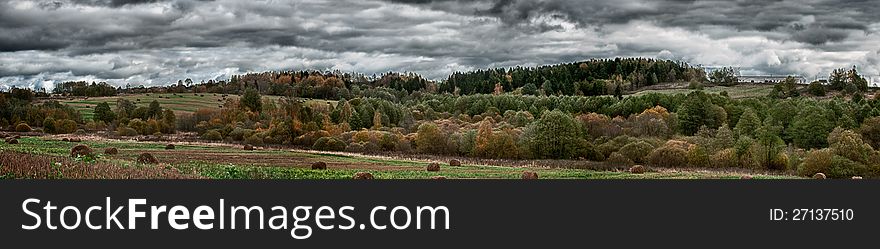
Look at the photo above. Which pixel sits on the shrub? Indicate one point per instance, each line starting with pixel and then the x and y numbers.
pixel 212 135
pixel 239 133
pixel 22 127
pixel 816 89
pixel 842 167
pixel 725 158
pixel 817 161
pixel 254 140
pixel 355 147
pixel 329 144
pixel 618 159
pixel 668 157
pixel 49 125
pixel 126 131
pixel 65 126
pixel 698 157
pixel 636 151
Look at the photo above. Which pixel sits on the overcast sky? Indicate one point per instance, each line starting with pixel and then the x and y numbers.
pixel 155 42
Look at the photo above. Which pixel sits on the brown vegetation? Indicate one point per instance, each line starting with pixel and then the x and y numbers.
pixel 30 166
pixel 319 165
pixel 433 167
pixel 529 175
pixel 147 158
pixel 363 176
pixel 111 151
pixel 80 150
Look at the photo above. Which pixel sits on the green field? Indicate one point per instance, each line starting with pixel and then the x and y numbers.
pixel 180 103
pixel 736 92
pixel 228 162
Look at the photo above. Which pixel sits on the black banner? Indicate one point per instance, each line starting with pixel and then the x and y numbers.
pixel 484 213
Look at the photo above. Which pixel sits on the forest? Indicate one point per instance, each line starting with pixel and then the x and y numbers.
pixel 579 111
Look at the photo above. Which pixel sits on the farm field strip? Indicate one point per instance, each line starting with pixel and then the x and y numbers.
pixel 228 162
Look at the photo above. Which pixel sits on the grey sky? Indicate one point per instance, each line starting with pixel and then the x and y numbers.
pixel 154 42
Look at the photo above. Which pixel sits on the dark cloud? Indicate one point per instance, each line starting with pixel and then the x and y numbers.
pixel 159 41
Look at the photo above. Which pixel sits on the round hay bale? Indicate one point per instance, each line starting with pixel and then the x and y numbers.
pixel 856 177
pixel 637 169
pixel 433 167
pixel 363 175
pixel 169 147
pixel 80 150
pixel 147 158
pixel 745 177
pixel 438 177
pixel 319 165
pixel 12 141
pixel 111 151
pixel 248 147
pixel 454 162
pixel 529 175
pixel 819 176
pixel 65 140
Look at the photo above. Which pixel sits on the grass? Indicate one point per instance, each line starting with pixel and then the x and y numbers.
pixel 180 103
pixel 735 92
pixel 224 162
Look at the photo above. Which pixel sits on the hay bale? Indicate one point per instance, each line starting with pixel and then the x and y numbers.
pixel 80 150
pixel 454 162
pixel 169 147
pixel 319 165
pixel 11 141
pixel 433 167
pixel 438 177
pixel 147 158
pixel 529 175
pixel 856 177
pixel 363 175
pixel 248 147
pixel 819 176
pixel 637 169
pixel 745 177
pixel 111 151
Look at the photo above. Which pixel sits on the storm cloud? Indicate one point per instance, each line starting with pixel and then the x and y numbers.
pixel 155 42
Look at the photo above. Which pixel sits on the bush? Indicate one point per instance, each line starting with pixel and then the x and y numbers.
pixel 725 158
pixel 212 135
pixel 22 127
pixel 817 161
pixel 698 157
pixel 636 151
pixel 355 147
pixel 619 159
pixel 816 89
pixel 239 134
pixel 125 131
pixel 329 144
pixel 49 125
pixel 842 167
pixel 65 126
pixel 254 140
pixel 668 157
